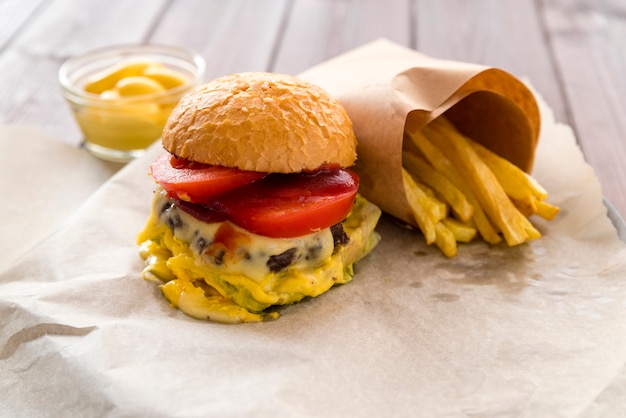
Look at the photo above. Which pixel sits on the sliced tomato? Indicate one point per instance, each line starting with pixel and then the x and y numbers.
pixel 291 205
pixel 198 183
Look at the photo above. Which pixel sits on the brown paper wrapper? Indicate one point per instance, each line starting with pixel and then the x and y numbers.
pixel 387 88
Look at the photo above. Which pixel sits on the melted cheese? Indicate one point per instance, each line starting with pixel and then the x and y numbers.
pixel 233 250
pixel 236 280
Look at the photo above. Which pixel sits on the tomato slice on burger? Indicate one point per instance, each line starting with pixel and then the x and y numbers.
pixel 291 205
pixel 273 205
pixel 198 183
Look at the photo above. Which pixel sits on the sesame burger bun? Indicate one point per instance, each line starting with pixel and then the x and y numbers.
pixel 264 122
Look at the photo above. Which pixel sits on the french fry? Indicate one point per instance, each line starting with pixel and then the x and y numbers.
pixel 531 231
pixel 442 164
pixel 457 189
pixel 525 191
pixel 462 232
pixel 438 208
pixel 429 214
pixel 445 240
pixel 527 206
pixel 515 182
pixel 481 180
pixel 425 209
pixel 546 210
pixel 446 190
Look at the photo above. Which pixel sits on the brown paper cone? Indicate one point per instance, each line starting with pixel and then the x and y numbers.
pixel 386 87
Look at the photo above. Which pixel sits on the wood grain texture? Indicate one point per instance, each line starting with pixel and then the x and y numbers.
pixel 588 39
pixel 321 29
pixel 13 15
pixel 232 36
pixel 493 33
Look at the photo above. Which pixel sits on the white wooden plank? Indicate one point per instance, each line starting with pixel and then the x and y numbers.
pixel 13 14
pixel 588 38
pixel 68 27
pixel 321 29
pixel 503 34
pixel 232 36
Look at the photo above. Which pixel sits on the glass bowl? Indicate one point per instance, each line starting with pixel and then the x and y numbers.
pixel 115 101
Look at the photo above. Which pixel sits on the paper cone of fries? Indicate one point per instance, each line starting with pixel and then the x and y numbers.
pixel 389 90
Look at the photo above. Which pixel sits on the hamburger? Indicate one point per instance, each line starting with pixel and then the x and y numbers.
pixel 255 205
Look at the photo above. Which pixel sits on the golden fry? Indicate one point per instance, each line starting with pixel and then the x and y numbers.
pixel 443 165
pixel 525 191
pixel 532 232
pixel 462 232
pixel 445 240
pixel 546 210
pixel 489 196
pixel 515 182
pixel 446 190
pixel 481 180
pixel 425 210
pixel 527 206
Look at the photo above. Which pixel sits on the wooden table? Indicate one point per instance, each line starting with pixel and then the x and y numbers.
pixel 573 52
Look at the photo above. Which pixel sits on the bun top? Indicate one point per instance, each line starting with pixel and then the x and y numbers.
pixel 261 122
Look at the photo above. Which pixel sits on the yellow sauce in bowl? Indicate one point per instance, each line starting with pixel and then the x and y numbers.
pixel 132 104
pixel 121 98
